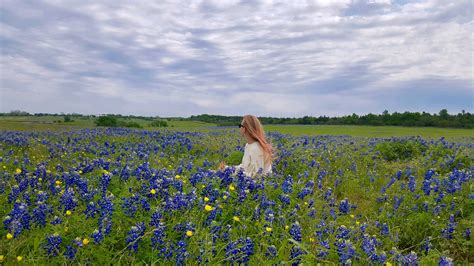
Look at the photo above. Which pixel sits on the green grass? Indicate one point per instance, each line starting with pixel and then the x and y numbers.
pixel 371 131
pixel 46 123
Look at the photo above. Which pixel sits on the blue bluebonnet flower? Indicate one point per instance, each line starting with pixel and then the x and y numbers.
pixel 328 194
pixel 41 196
pixel 40 213
pixel 106 213
pixel 321 253
pixel 13 195
pixel 18 219
pixel 68 201
pixel 98 236
pixel 157 240
pixel 343 232
pixel 134 236
pixel 239 251
pixel 369 244
pixel 295 231
pixel 287 185
pixel 104 182
pixel 426 246
pixel 91 210
pixel 70 252
pixel 307 190
pixel 56 220
pixel 129 205
pixel 247 250
pixel 390 183
pixel 410 259
pixel 345 250
pixel 181 253
pixel 271 251
pixel 344 206
pixel 295 255
pixel 449 230
pixel 332 212
pixel 445 261
pixel 52 245
pixel 269 215
pixel 412 183
pixel 285 199
pixel 384 229
pixel 125 173
pixel 467 233
pixel 27 198
pixel 397 201
pixel 78 242
pixel 155 218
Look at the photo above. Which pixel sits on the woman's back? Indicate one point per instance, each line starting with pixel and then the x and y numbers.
pixel 254 159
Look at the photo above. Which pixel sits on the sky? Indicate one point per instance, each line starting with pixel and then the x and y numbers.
pixel 261 57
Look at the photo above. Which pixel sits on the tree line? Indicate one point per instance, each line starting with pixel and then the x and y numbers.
pixel 410 119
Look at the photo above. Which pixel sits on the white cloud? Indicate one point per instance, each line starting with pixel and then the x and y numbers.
pixel 285 58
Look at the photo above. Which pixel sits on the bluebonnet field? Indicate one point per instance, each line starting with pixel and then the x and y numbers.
pixel 101 196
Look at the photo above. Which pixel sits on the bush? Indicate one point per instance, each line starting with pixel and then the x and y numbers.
pixel 397 150
pixel 106 121
pixel 68 119
pixel 159 123
pixel 129 124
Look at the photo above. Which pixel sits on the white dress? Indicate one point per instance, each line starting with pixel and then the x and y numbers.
pixel 254 160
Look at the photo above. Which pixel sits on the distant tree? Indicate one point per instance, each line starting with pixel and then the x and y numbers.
pixel 19 113
pixel 443 113
pixel 106 121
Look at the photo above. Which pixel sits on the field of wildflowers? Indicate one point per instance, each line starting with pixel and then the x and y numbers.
pixel 102 196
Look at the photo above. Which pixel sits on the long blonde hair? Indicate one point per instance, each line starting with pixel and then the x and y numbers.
pixel 255 130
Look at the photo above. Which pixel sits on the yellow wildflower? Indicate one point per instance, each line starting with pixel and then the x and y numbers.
pixel 236 218
pixel 189 233
pixel 208 208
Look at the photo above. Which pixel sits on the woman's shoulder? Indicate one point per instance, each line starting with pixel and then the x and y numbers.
pixel 255 146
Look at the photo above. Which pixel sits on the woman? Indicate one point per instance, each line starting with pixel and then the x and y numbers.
pixel 258 152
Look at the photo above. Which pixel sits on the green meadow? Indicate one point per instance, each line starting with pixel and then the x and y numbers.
pixel 47 123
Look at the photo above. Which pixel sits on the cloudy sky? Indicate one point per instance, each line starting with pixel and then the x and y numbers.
pixel 268 58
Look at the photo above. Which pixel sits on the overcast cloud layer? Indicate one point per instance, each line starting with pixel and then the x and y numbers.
pixel 268 58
